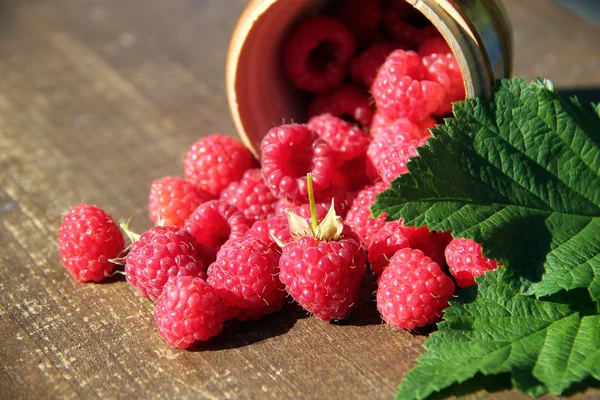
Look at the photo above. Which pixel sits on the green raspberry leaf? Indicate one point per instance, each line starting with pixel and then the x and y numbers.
pixel 546 345
pixel 519 174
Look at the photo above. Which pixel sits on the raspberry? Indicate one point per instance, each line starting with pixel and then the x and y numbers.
pixel 317 53
pixel 87 239
pixel 430 243
pixel 444 69
pixel 174 199
pixel 393 163
pixel 215 161
pixel 324 276
pixel 346 140
pixel 245 275
pixel 364 67
pixel 466 261
pixel 159 254
pixel 434 45
pixel 362 17
pixel 359 215
pixel 289 152
pixel 347 102
pixel 401 91
pixel 212 224
pixel 384 244
pixel 323 265
pixel 188 310
pixel 355 173
pixel 412 291
pixel 276 226
pixel 251 196
pixel 393 236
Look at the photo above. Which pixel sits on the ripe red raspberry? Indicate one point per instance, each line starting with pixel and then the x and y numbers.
pixel 289 152
pixel 394 236
pixel 174 199
pixel 355 173
pixel 212 224
pixel 401 91
pixel 188 310
pixel 466 261
pixel 412 291
pixel 364 67
pixel 159 254
pixel 215 161
pixel 87 239
pixel 434 45
pixel 277 227
pixel 359 215
pixel 384 244
pixel 445 71
pixel 432 244
pixel 393 163
pixel 347 102
pixel 245 275
pixel 251 196
pixel 317 53
pixel 323 266
pixel 443 68
pixel 346 140
pixel 362 17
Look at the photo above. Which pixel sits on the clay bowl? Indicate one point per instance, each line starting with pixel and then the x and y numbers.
pixel 260 97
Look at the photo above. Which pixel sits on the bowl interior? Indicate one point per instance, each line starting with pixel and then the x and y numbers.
pixel 260 96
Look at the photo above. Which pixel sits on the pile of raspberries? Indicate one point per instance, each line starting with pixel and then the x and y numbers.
pixel 235 238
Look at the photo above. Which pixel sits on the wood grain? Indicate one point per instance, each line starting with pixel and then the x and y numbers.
pixel 97 99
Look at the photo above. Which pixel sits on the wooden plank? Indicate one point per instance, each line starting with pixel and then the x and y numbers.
pixel 97 99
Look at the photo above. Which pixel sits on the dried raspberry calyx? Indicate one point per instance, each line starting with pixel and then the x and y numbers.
pixel 330 228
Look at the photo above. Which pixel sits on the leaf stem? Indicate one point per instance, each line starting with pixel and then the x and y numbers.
pixel 311 201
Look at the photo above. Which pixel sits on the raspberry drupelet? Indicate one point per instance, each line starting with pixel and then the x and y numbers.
pixel 188 310
pixel 323 265
pixel 215 161
pixel 412 291
pixel 291 151
pixel 159 254
pixel 316 55
pixel 174 199
pixel 87 239
pixel 466 261
pixel 245 275
pixel 212 224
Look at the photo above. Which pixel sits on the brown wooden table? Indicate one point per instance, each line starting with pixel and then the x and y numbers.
pixel 97 99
